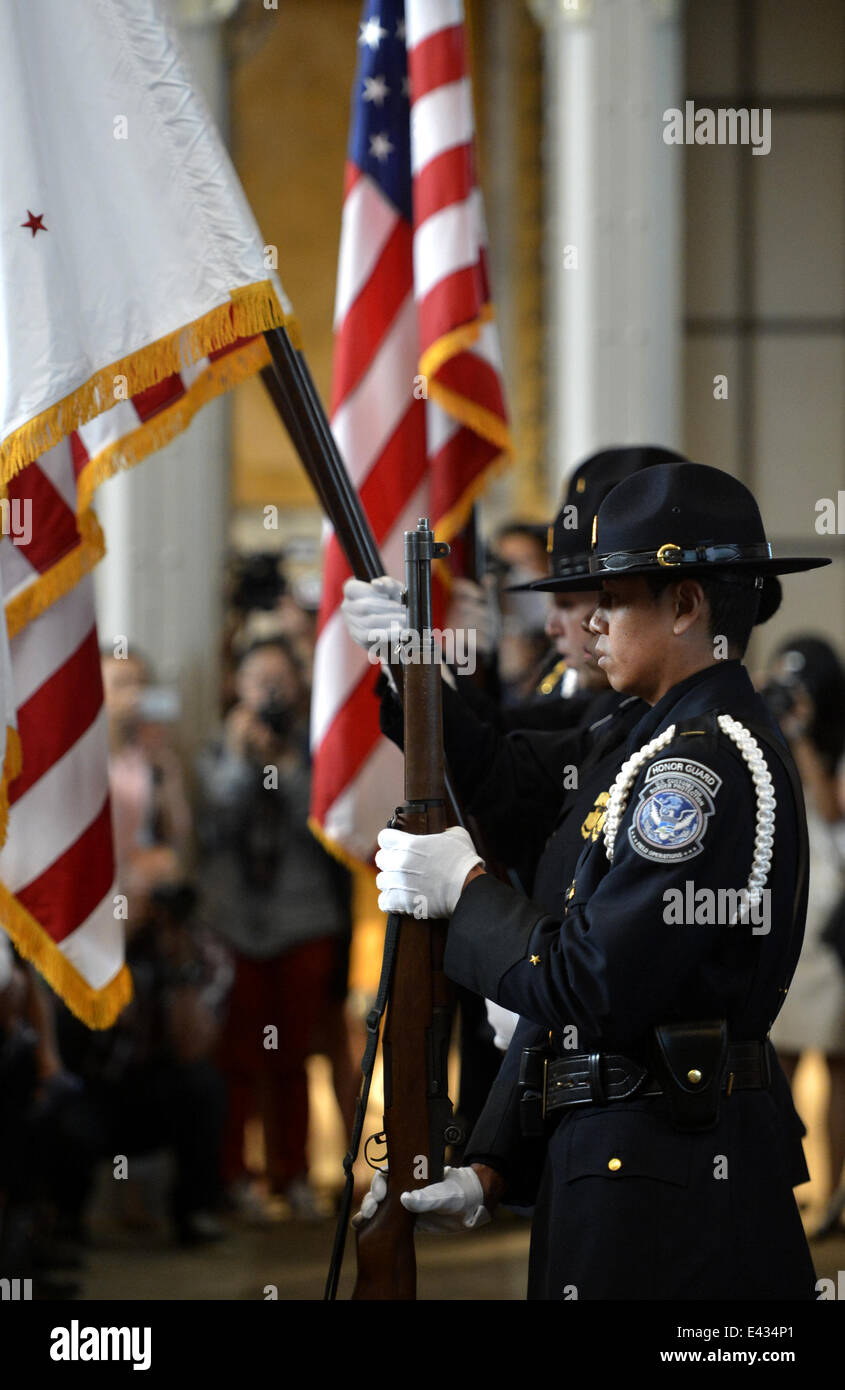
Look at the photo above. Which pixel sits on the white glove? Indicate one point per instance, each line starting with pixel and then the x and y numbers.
pixel 423 875
pixel 503 1022
pixel 374 612
pixel 450 1205
pixel 472 608
pixel 376 1194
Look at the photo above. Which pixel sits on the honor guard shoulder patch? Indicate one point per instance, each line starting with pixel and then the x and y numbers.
pixel 676 802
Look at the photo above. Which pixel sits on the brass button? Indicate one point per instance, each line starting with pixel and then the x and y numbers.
pixel 615 1164
pixel 535 960
pixel 694 1075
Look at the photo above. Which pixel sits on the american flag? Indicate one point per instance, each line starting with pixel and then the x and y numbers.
pixel 417 404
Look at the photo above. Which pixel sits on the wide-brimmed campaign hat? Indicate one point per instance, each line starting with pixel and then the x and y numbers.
pixel 568 539
pixel 679 518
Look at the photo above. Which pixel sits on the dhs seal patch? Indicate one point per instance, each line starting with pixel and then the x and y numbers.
pixel 676 802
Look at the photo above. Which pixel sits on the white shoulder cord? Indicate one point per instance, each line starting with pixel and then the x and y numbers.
pixel 764 827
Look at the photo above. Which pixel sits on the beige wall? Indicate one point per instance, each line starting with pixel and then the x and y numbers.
pixel 765 279
pixel 290 117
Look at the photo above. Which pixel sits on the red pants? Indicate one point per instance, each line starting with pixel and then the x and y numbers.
pixel 291 993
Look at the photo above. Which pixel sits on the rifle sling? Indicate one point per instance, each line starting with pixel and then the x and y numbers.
pixel 374 1017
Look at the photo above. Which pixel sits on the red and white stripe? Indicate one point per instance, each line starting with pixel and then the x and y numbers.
pixel 410 301
pixel 58 860
pixel 57 866
pixel 57 870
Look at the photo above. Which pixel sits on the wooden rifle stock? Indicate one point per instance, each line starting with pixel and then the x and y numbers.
pixel 415 1042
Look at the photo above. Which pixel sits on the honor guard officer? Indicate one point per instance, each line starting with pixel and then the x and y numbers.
pixel 538 768
pixel 653 1132
pixel 515 786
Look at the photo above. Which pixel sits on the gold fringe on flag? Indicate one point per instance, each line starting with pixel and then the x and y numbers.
pixel 160 429
pixel 453 521
pixel 12 763
pixel 97 1008
pixel 250 310
pixel 485 423
pixel 57 581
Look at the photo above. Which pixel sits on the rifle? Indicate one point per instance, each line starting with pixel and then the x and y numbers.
pixel 415 1045
pixel 416 1041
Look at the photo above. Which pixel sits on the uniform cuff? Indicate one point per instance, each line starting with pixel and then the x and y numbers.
pixel 490 931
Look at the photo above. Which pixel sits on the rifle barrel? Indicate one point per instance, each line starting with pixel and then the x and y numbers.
pixel 294 394
pixel 297 400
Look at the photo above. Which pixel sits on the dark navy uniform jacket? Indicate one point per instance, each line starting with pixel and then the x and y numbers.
pixel 545 708
pixel 520 786
pixel 679 1215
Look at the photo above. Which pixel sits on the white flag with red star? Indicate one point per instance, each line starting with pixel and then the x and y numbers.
pixel 134 289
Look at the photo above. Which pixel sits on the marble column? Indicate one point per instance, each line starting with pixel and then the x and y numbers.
pixel 166 520
pixel 613 233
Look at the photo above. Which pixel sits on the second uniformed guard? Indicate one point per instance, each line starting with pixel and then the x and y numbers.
pixel 652 1129
pixel 571 674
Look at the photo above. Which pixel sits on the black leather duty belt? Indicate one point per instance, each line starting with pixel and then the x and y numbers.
pixel 597 1078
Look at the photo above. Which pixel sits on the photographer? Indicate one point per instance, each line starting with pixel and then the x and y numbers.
pixel 146 783
pixel 283 905
pixel 150 1081
pixel 806 692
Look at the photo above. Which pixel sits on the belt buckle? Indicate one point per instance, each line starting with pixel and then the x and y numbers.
pixel 533 1089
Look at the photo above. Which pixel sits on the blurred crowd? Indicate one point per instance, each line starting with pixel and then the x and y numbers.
pixel 238 926
pixel 240 921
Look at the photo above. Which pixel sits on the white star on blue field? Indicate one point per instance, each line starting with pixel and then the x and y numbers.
pixel 379 137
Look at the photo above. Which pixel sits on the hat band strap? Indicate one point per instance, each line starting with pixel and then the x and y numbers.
pixel 671 556
pixel 572 565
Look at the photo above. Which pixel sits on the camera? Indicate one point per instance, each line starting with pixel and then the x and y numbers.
pixel 781 696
